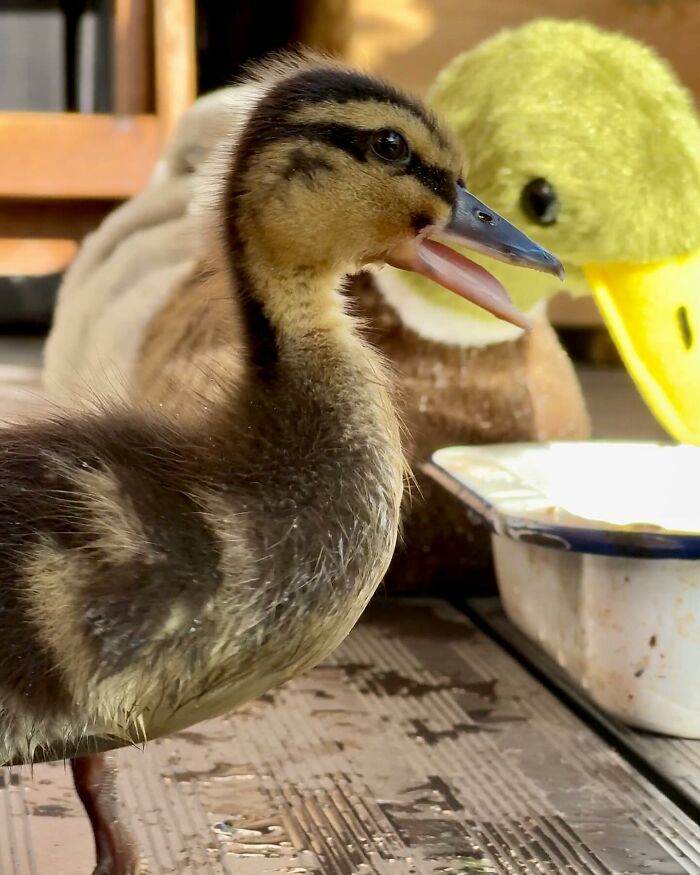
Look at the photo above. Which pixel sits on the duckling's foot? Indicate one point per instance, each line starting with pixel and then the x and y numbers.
pixel 95 782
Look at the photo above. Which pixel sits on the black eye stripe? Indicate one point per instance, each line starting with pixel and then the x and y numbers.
pixel 355 142
pixel 437 180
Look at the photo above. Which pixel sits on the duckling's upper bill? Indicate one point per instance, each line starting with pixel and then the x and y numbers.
pixel 473 225
pixel 586 140
pixel 333 166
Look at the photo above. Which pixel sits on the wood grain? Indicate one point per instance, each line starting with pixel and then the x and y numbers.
pixel 419 747
pixel 54 155
pixel 176 80
pixel 133 57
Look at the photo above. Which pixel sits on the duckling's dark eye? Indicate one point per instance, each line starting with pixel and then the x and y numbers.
pixel 540 202
pixel 390 146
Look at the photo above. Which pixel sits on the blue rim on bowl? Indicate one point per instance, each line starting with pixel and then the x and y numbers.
pixel 531 519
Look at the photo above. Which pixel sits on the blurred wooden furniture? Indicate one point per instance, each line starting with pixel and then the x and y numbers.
pixel 566 311
pixel 61 172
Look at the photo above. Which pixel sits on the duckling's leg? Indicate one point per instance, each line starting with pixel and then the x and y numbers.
pixel 95 780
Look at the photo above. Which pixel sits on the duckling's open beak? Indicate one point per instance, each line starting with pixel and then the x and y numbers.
pixel 476 226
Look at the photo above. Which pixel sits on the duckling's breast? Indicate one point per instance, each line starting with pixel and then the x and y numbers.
pixel 317 563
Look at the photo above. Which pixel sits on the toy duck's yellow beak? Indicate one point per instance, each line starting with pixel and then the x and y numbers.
pixel 653 314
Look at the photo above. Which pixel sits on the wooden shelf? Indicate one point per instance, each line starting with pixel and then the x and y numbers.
pixel 60 173
pixel 56 155
pixel 32 257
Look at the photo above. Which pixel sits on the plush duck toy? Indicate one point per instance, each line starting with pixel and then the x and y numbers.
pixel 594 146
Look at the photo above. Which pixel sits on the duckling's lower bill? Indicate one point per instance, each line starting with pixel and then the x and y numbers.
pixel 476 226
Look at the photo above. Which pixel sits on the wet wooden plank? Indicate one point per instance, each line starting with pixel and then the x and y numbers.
pixel 419 747
pixel 672 760
pixel 677 759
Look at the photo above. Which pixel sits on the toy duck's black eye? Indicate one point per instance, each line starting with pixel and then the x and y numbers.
pixel 390 146
pixel 540 202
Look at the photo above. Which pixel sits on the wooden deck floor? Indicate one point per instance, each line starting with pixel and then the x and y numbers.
pixel 419 748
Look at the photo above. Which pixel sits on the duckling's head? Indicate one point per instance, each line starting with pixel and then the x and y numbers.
pixel 335 170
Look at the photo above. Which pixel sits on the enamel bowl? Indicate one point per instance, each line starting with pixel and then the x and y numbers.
pixel 597 553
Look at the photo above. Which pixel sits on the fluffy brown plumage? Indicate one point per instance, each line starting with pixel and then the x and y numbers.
pixel 158 569
pixel 164 564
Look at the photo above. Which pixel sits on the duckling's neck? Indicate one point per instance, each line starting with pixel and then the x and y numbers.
pixel 290 311
pixel 307 360
pixel 293 313
pixel 319 416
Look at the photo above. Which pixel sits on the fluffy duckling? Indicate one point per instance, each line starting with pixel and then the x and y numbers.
pixel 157 572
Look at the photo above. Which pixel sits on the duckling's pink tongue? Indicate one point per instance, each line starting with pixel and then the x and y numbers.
pixel 459 274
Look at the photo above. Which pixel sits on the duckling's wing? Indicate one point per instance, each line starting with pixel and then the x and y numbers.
pixel 109 560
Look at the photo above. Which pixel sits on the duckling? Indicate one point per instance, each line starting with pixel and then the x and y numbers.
pixel 159 570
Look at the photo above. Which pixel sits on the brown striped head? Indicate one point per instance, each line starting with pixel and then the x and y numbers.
pixel 336 170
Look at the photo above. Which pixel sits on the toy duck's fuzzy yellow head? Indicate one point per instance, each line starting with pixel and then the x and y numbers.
pixel 587 140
